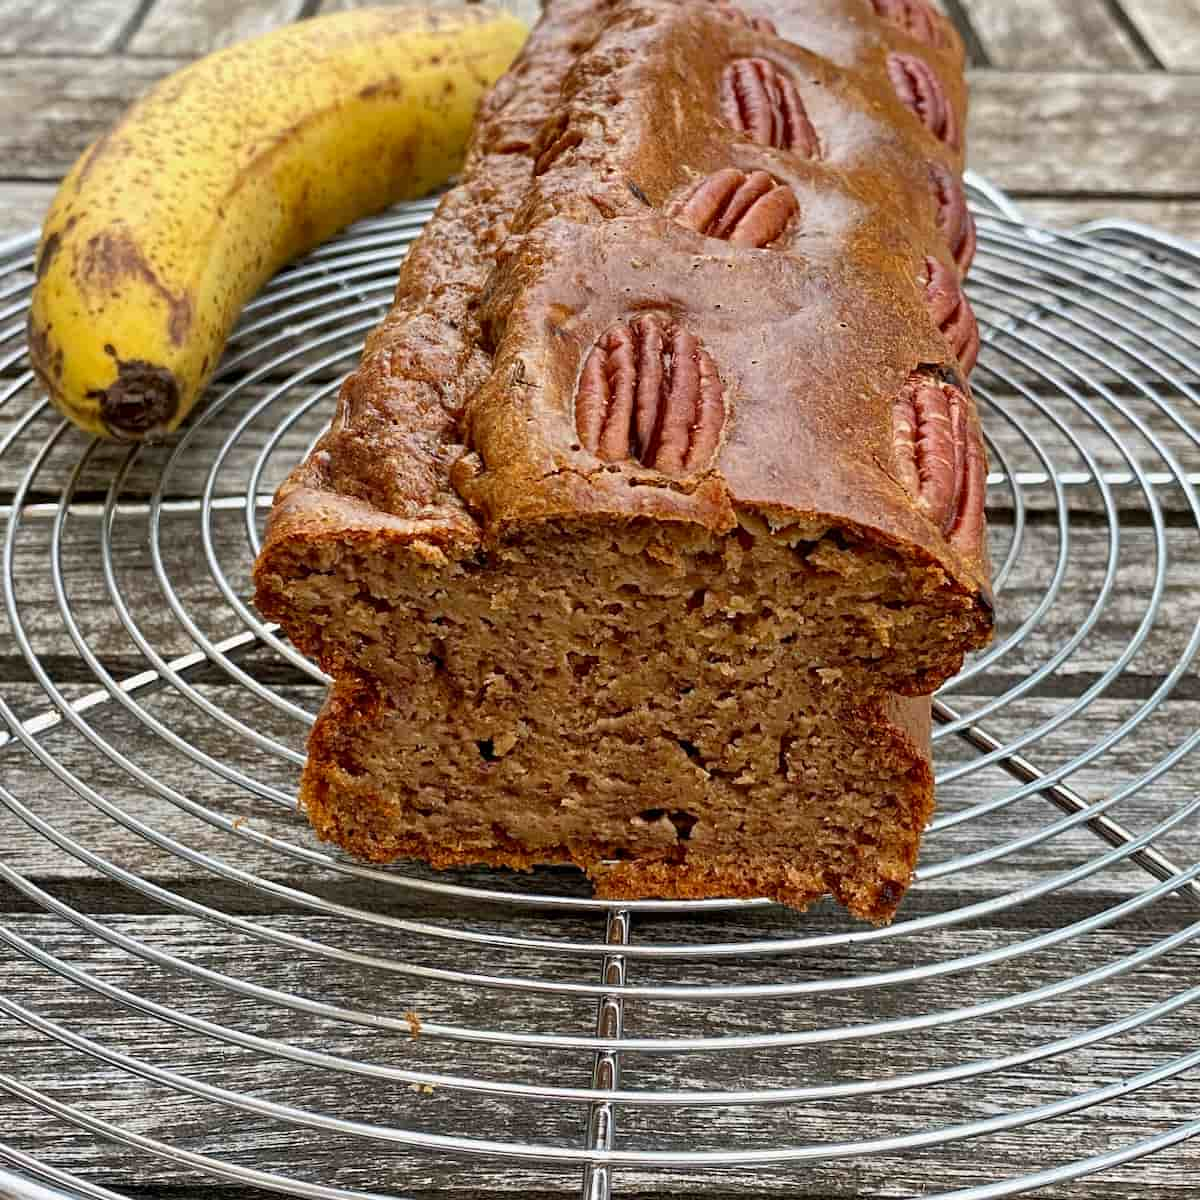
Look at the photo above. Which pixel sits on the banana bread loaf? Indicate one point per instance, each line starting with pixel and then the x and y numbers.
pixel 654 511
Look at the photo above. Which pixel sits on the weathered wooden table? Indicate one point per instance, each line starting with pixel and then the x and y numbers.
pixel 1080 109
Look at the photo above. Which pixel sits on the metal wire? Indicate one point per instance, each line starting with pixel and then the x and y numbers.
pixel 1088 382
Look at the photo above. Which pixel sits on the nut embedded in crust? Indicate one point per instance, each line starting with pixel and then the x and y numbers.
pixel 953 217
pixel 939 457
pixel 743 209
pixel 919 89
pixel 761 101
pixel 952 312
pixel 650 392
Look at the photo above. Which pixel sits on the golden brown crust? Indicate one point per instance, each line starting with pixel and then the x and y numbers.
pixel 454 403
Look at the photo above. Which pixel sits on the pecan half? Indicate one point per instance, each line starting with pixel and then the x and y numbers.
pixel 744 210
pixel 953 218
pixel 649 391
pixel 970 522
pixel 761 101
pixel 915 18
pixel 740 17
pixel 952 312
pixel 921 90
pixel 939 457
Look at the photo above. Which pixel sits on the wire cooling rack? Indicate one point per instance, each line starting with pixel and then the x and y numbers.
pixel 197 991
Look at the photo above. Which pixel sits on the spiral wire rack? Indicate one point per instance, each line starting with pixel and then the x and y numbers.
pixel 367 1030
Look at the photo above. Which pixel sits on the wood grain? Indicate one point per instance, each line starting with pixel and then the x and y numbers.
pixel 1074 132
pixel 203 1126
pixel 527 10
pixel 1076 136
pixel 1172 29
pixel 22 206
pixel 52 27
pixel 195 27
pixel 58 106
pixel 1069 35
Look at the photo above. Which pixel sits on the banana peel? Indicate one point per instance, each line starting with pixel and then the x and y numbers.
pixel 225 171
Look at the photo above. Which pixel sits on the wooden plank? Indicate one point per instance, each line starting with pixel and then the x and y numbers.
pixel 1064 36
pixel 188 28
pixel 58 106
pixel 50 27
pixel 351 1162
pixel 1074 132
pixel 195 27
pixel 1171 28
pixel 22 206
pixel 1069 132
pixel 527 10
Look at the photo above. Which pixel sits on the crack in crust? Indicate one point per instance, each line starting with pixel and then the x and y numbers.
pixel 650 392
pixel 939 457
pixel 920 90
pixel 743 209
pixel 952 312
pixel 915 18
pixel 953 217
pixel 554 140
pixel 740 17
pixel 761 101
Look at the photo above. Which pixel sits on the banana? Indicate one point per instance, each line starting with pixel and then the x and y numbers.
pixel 223 172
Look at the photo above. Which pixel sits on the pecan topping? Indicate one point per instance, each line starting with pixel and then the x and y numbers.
pixel 914 17
pixel 969 527
pixel 952 312
pixel 553 140
pixel 740 17
pixel 649 391
pixel 761 101
pixel 939 457
pixel 744 210
pixel 953 219
pixel 921 90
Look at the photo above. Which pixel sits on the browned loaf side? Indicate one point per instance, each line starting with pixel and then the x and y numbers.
pixel 662 474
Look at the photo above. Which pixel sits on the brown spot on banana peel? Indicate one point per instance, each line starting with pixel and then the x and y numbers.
pixel 40 356
pixel 112 256
pixel 49 248
pixel 140 403
pixel 391 86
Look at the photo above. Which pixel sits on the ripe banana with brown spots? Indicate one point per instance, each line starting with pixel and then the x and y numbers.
pixel 223 172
